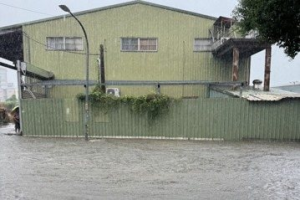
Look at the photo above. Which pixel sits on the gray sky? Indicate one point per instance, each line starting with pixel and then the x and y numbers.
pixel 284 70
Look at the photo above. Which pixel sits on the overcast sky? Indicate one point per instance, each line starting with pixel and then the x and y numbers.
pixel 284 70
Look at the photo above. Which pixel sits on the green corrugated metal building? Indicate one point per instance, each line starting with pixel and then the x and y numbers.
pixel 142 41
pixel 146 45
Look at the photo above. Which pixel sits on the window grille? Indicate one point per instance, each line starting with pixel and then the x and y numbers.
pixel 139 44
pixel 202 44
pixel 65 43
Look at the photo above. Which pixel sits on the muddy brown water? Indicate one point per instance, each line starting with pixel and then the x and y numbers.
pixel 47 168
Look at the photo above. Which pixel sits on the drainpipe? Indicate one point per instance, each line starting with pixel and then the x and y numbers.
pixel 267 68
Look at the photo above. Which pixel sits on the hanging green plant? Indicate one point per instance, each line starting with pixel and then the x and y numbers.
pixel 101 100
pixel 153 105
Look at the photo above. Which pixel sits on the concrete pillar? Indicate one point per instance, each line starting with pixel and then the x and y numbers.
pixel 267 68
pixel 235 64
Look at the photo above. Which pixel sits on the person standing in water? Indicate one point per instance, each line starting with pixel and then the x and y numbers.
pixel 17 120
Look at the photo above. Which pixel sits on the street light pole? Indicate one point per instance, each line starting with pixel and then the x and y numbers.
pixel 86 128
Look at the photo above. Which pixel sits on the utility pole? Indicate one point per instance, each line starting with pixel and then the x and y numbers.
pixel 102 69
pixel 267 68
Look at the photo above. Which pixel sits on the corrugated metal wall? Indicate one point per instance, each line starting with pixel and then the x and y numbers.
pixel 229 119
pixel 174 60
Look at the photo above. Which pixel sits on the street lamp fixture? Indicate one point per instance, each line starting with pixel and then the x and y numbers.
pixel 65 8
pixel 86 128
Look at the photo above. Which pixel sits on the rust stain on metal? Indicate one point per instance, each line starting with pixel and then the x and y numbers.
pixel 267 69
pixel 235 64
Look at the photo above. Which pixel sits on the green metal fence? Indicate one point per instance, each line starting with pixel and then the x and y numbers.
pixel 228 119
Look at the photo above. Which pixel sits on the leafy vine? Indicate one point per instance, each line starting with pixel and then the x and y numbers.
pixel 153 105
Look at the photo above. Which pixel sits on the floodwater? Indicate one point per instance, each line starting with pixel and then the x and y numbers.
pixel 45 168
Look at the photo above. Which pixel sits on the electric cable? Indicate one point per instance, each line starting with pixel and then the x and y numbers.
pixel 45 45
pixel 26 9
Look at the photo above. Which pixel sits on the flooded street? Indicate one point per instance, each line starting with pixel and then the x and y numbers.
pixel 44 168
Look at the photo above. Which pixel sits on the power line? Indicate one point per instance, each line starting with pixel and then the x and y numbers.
pixel 33 11
pixel 36 40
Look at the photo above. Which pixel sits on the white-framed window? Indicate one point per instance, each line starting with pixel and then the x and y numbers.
pixel 202 44
pixel 65 43
pixel 130 44
pixel 139 44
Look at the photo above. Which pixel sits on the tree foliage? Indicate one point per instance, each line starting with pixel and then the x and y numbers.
pixel 12 98
pixel 11 102
pixel 277 21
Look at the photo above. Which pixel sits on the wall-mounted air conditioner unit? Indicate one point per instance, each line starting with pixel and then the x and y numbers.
pixel 113 91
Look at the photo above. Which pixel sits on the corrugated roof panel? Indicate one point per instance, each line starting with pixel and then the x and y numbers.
pixel 291 88
pixel 260 95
